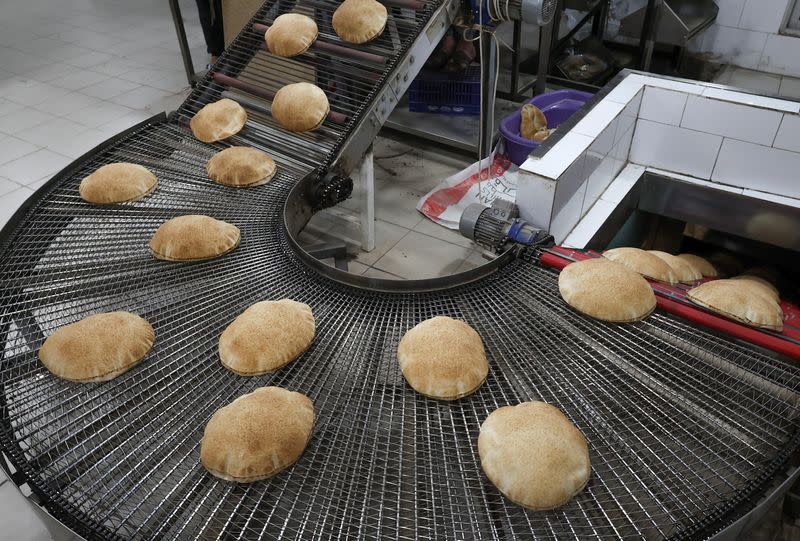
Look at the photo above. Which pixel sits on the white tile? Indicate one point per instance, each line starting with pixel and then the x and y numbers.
pixel 790 87
pixel 628 117
pixel 8 107
pixel 788 201
pixel 754 81
pixel 432 229
pixel 9 203
pixel 734 45
pixel 30 92
pixel 12 148
pixel 6 186
pixel 123 122
pixel 678 85
pixel 79 144
pixel 535 196
pixel 622 147
pixel 68 103
pixel 34 166
pixel 51 132
pixel 17 62
pixel 730 11
pixel 39 45
pixel 662 105
pixel 98 114
pixel 386 236
pixel 781 55
pixel 627 89
pixel 560 157
pixel 65 52
pixel 598 118
pixel 604 141
pixel 80 78
pixel 22 119
pixel 45 74
pixel 674 149
pixel 763 15
pixel 732 120
pixel 117 66
pixel 697 181
pixel 109 88
pixel 574 178
pixel 789 134
pixel 375 273
pixel 140 97
pixel 752 99
pixel 565 219
pixel 622 184
pixel 589 224
pixel 419 256
pixel 600 179
pixel 89 59
pixel 759 168
pixel 19 520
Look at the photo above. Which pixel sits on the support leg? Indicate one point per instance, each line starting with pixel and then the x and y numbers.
pixel 364 176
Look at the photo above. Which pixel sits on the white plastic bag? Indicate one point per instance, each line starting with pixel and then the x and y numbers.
pixel 498 177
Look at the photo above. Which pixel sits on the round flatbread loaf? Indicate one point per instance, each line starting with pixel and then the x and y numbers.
pixel 217 121
pixel 241 167
pixel 739 302
pixel 194 237
pixel 761 285
pixel 291 34
pixel 359 21
pixel 257 435
pixel 606 290
pixel 300 107
pixel 98 347
pixel 117 183
pixel 266 336
pixel 644 263
pixel 701 264
pixel 534 455
pixel 443 358
pixel 684 271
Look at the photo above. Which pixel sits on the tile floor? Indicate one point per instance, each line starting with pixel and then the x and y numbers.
pixel 756 81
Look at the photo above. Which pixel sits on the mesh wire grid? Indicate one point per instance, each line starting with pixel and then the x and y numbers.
pixel 681 423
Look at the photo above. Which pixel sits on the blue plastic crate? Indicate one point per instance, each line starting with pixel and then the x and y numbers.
pixel 447 94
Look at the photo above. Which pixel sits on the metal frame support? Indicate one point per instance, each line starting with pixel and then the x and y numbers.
pixel 180 30
pixel 489 68
pixel 647 42
pixel 364 175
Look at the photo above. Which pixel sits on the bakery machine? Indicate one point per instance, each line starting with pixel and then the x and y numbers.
pixel 688 429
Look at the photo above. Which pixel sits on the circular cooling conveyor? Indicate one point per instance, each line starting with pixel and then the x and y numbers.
pixel 683 426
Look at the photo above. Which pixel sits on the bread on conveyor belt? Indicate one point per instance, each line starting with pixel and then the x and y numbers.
pixel 684 271
pixel 644 263
pixel 218 120
pixel 359 21
pixel 701 264
pixel 739 301
pixel 291 34
pixel 117 183
pixel 257 435
pixel 241 167
pixel 193 238
pixel 606 290
pixel 266 336
pixel 443 358
pixel 300 107
pixel 534 455
pixel 762 284
pixel 97 348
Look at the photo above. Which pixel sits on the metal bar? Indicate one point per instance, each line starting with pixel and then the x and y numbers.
pixel 333 48
pixel 545 40
pixel 649 29
pixel 186 54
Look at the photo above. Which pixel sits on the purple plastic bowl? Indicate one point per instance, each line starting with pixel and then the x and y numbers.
pixel 557 107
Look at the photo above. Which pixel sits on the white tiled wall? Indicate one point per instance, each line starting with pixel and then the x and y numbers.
pixel 746 34
pixel 758 167
pixel 675 148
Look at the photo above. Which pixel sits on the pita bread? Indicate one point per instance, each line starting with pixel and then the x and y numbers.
pixel 702 265
pixel 291 34
pixel 605 290
pixel 257 435
pixel 532 121
pixel 443 358
pixel 736 301
pixel 241 167
pixel 359 21
pixel 193 238
pixel 534 455
pixel 300 107
pixel 117 183
pixel 761 285
pixel 644 263
pixel 684 271
pixel 542 135
pixel 98 347
pixel 217 121
pixel 266 336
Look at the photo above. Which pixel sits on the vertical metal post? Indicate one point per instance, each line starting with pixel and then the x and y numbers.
pixel 545 41
pixel 647 42
pixel 177 19
pixel 488 81
pixel 515 54
pixel 364 176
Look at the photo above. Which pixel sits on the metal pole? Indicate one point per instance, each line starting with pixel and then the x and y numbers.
pixel 488 81
pixel 545 40
pixel 517 46
pixel 647 42
pixel 177 19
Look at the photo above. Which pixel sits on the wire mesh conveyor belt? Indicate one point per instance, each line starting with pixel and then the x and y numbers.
pixel 683 426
